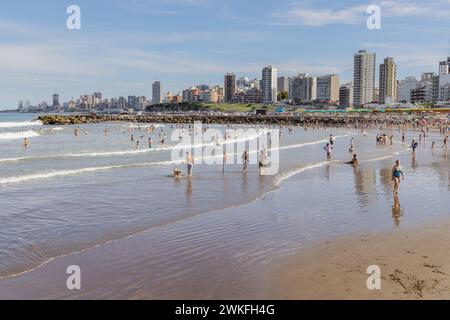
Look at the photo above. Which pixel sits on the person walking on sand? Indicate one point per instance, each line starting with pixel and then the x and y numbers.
pixel 397 173
pixel 189 163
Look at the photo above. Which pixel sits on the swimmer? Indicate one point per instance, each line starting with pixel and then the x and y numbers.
pixel 397 173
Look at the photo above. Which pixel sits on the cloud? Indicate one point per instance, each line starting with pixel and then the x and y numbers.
pixel 300 15
pixel 304 13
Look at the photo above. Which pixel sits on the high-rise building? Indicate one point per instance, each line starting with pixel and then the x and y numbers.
pixel 424 90
pixel 55 100
pixel 388 82
pixel 444 66
pixel 346 95
pixel 283 84
pixel 328 88
pixel 444 80
pixel 363 78
pixel 230 86
pixel 304 88
pixel 255 83
pixel 405 87
pixel 269 85
pixel 242 83
pixel 157 97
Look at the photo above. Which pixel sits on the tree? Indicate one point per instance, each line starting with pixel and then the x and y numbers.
pixel 282 96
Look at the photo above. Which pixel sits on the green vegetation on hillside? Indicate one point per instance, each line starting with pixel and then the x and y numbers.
pixel 222 107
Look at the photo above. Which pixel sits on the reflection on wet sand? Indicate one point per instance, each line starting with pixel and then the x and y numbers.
pixel 365 186
pixel 397 211
pixel 414 162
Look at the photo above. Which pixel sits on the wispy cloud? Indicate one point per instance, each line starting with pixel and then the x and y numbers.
pixel 308 16
pixel 304 13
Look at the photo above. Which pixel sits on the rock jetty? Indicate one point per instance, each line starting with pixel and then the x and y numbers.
pixel 324 119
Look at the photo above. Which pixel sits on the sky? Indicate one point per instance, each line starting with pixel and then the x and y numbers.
pixel 123 46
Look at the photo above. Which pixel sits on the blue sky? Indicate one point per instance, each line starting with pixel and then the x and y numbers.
pixel 125 45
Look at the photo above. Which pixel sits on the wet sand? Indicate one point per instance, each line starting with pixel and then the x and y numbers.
pixel 415 264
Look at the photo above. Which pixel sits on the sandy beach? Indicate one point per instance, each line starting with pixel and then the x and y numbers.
pixel 414 264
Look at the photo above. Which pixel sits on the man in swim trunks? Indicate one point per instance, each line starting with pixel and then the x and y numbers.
pixel 189 163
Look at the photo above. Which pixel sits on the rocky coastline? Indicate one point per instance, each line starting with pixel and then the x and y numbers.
pixel 324 119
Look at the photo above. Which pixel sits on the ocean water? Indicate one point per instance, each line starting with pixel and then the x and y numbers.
pixel 64 194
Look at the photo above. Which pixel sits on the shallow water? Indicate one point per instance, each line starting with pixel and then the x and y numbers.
pixel 65 193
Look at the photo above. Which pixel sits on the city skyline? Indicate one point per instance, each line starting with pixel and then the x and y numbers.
pixel 39 56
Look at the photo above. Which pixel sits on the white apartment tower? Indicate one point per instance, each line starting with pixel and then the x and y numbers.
pixel 363 78
pixel 269 85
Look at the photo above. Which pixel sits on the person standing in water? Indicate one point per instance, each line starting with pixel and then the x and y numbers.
pixel 397 173
pixel 26 142
pixel 225 159
pixel 245 161
pixel 414 146
pixel 189 163
pixel 352 146
pixel 150 143
pixel 332 139
pixel 328 149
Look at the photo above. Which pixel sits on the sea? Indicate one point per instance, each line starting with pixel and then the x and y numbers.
pixel 65 194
